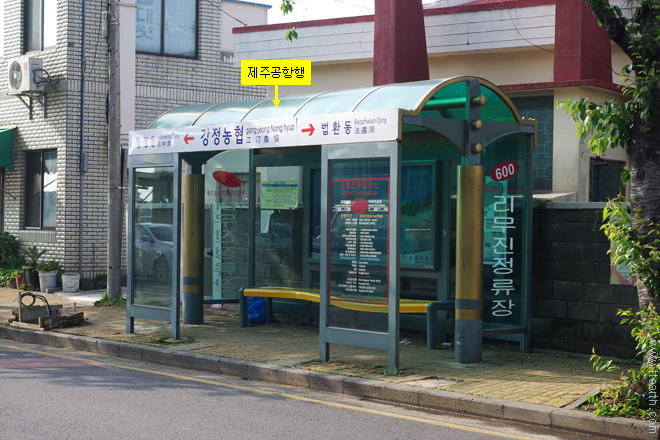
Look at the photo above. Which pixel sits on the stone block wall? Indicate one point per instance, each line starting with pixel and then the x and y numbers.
pixel 573 303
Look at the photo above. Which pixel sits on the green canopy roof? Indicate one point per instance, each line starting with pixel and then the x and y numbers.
pixel 441 98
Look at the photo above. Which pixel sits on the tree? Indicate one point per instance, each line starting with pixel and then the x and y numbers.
pixel 634 124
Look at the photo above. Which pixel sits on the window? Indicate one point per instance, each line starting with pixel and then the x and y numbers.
pixel 540 108
pixel 605 179
pixel 40 189
pixel 40 29
pixel 166 27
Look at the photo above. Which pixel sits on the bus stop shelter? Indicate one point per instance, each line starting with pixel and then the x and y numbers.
pixel 368 198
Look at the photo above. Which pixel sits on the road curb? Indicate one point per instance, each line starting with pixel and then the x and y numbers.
pixel 500 409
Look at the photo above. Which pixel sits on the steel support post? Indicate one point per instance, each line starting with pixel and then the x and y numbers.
pixel 469 264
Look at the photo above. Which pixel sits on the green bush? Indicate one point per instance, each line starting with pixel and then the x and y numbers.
pixel 634 394
pixel 9 247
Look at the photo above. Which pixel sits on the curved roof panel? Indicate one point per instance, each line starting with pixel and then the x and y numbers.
pixel 442 98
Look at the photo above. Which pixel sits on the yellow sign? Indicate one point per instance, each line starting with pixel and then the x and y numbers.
pixel 276 72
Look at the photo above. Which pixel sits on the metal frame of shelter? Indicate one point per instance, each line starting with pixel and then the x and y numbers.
pixel 361 136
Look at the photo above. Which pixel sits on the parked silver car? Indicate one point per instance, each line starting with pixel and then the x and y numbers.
pixel 153 251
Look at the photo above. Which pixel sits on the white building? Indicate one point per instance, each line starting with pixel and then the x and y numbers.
pixel 54 182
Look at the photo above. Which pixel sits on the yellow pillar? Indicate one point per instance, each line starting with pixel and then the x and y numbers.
pixel 469 264
pixel 193 249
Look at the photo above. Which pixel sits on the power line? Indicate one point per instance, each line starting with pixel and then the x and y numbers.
pixel 225 12
pixel 518 31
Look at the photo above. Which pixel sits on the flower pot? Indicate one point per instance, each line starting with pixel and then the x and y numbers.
pixel 70 282
pixel 31 278
pixel 48 280
pixel 19 280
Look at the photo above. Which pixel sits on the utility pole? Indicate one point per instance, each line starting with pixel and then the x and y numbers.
pixel 115 202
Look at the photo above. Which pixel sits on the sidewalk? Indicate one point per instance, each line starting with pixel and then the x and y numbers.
pixel 545 385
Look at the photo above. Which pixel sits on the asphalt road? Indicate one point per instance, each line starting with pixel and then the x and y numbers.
pixel 59 394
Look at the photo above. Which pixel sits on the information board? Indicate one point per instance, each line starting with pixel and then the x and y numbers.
pixel 279 195
pixel 359 239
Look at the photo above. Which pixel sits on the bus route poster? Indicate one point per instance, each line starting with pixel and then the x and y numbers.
pixel 359 239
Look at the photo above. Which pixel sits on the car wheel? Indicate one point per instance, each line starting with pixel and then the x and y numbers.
pixel 162 271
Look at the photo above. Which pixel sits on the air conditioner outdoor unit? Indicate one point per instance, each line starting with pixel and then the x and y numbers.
pixel 22 75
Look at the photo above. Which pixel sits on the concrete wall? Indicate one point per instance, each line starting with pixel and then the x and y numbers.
pixel 573 304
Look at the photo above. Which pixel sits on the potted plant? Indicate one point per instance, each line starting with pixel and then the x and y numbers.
pixel 48 271
pixel 18 275
pixel 30 269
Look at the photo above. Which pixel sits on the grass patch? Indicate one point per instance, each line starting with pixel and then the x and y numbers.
pixel 106 302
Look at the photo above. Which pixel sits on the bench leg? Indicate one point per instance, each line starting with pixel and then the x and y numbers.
pixel 431 328
pixel 268 304
pixel 242 308
pixel 432 322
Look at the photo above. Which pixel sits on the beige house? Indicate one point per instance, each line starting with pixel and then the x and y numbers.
pixel 540 52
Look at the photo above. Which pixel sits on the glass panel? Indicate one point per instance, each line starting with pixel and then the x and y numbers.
pixel 315 215
pixel 279 225
pixel 341 101
pixel 33 189
pixel 148 26
pixel 232 111
pixel 496 109
pixel 32 25
pixel 358 243
pixel 153 237
pixel 50 188
pixel 181 117
pixel 180 27
pixel 405 96
pixel 226 180
pixel 505 216
pixel 417 216
pixel 267 109
pixel 50 23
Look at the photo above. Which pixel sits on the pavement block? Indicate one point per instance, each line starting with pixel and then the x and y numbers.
pixel 526 413
pixel 13 334
pixel 293 377
pixel 177 359
pixel 153 354
pixel 130 351
pixel 358 387
pixel 232 367
pixel 572 420
pixel 110 348
pixel 618 427
pixel 48 338
pixel 401 393
pixel 326 382
pixel 461 403
pixel 264 372
pixel 203 362
pixel 79 343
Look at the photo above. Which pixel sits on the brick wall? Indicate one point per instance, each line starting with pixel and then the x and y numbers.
pixel 573 304
pixel 162 83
